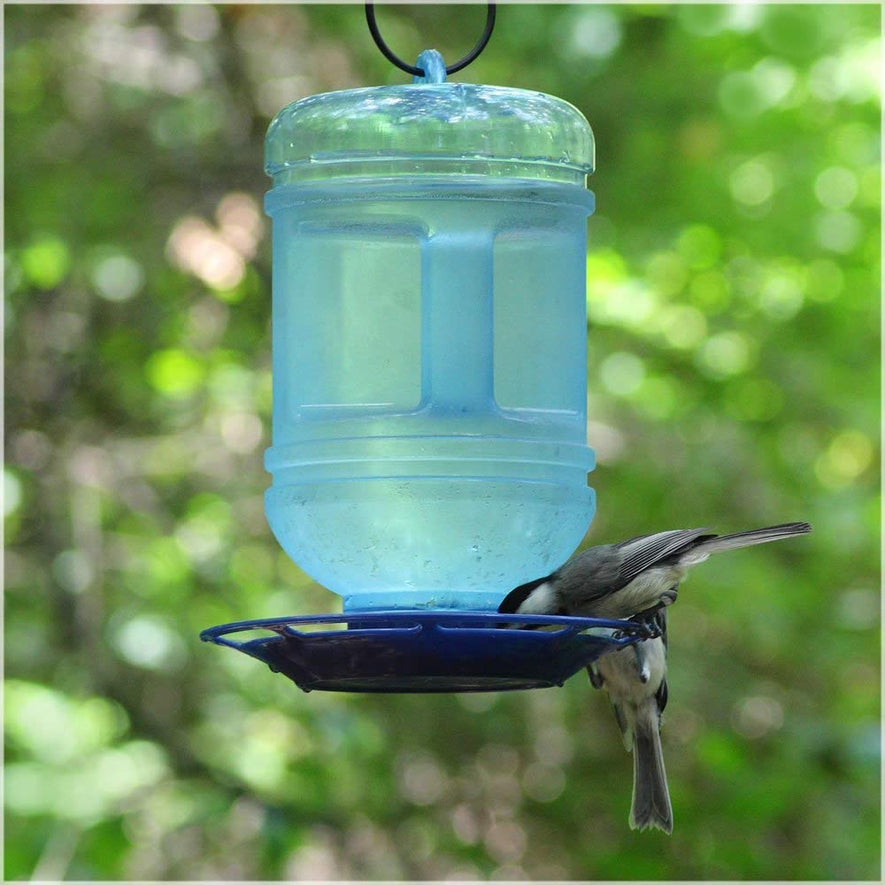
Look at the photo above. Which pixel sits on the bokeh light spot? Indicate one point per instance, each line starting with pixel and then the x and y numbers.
pixel 165 564
pixel 27 704
pixel 118 278
pixel 195 247
pixel 826 79
pixel 744 16
pixel 836 187
pixel 775 79
pixel 421 780
pixel 858 608
pixel 203 534
pixel 27 787
pixel 241 432
pixel 240 222
pixel 683 326
pixel 315 861
pixel 622 373
pixel 848 456
pixel 781 296
pixel 174 373
pixel 789 31
pixel 478 702
pixel 230 385
pixel 277 92
pixel 606 270
pixel 595 32
pixel 741 95
pixel 727 353
pixel 755 717
pixel 554 745
pixel 506 841
pixel 667 273
pixel 703 20
pixel 197 22
pixel 862 65
pixel 543 783
pixel 12 492
pixel 147 641
pixel 46 262
pixel 752 183
pixel 465 825
pixel 838 231
pixel 73 570
pixel 31 449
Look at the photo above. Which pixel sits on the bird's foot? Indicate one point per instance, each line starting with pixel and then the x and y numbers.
pixel 651 626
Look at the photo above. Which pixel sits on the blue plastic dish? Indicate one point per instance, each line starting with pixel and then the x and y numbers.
pixel 418 651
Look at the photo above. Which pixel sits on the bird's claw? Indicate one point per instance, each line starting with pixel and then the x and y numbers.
pixel 648 624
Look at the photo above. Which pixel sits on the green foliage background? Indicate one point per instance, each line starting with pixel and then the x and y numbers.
pixel 733 272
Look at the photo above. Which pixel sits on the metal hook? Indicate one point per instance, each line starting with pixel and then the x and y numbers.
pixel 388 53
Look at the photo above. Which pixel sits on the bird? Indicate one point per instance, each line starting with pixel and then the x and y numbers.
pixel 635 678
pixel 636 579
pixel 633 577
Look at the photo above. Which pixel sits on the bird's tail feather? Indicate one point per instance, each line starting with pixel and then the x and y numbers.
pixel 754 536
pixel 651 798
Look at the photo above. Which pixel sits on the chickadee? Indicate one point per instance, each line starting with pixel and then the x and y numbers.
pixel 635 679
pixel 635 579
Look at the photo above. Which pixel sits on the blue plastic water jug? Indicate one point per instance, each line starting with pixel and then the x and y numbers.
pixel 429 341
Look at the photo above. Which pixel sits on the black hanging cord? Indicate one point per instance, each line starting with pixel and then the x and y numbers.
pixel 388 53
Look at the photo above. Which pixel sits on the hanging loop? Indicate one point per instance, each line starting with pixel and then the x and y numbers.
pixel 388 53
pixel 433 65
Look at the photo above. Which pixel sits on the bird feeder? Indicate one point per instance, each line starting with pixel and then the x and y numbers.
pixel 429 381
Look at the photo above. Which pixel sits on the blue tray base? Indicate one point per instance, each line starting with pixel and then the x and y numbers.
pixel 420 651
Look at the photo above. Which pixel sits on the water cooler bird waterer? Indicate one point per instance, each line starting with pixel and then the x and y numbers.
pixel 430 382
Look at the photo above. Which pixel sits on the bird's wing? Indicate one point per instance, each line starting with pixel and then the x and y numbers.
pixel 623 724
pixel 596 679
pixel 646 551
pixel 661 694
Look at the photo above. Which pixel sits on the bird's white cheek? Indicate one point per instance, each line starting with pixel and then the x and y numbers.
pixel 541 601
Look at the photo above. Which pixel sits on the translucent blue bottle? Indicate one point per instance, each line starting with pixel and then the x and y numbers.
pixel 429 340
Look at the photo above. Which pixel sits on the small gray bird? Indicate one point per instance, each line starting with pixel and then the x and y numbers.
pixel 635 679
pixel 635 579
